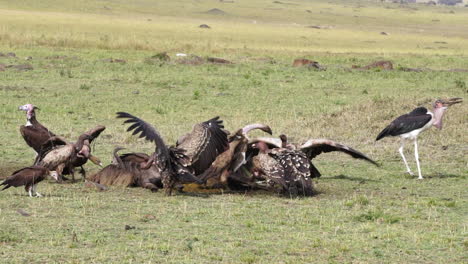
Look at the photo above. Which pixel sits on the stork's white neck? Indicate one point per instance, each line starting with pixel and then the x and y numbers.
pixel 438 114
pixel 28 123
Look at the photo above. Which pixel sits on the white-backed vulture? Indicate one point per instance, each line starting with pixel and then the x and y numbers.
pixel 290 165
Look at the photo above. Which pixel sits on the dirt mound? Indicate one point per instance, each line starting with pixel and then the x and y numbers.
pixel 111 60
pixel 383 65
pixel 204 26
pixel 9 54
pixel 191 60
pixel 307 63
pixel 218 60
pixel 215 11
pixel 21 67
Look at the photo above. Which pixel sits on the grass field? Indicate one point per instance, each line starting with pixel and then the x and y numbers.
pixel 362 214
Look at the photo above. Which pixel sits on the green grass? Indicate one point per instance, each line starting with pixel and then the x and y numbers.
pixel 362 214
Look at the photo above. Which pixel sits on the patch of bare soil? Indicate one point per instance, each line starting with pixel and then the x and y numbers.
pixel 111 60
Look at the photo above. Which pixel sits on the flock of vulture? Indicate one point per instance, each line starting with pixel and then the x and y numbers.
pixel 209 156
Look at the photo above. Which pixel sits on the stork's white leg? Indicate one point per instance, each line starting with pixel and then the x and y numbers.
pixel 30 191
pixel 416 155
pixel 403 156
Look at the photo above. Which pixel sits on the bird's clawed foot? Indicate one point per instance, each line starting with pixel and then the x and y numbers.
pixel 420 177
pixel 38 194
pixel 410 173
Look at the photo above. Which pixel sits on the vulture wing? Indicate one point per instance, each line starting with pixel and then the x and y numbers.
pixel 95 132
pixel 270 168
pixel 35 136
pixel 24 176
pixel 145 130
pixel 417 118
pixel 204 143
pixel 48 146
pixel 314 147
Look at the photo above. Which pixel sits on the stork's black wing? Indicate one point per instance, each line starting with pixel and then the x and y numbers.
pixel 204 143
pixel 314 147
pixel 406 123
pixel 146 131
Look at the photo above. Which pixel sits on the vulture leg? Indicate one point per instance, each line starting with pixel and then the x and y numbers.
pixel 34 190
pixel 403 156
pixel 416 155
pixel 72 172
pixel 29 190
pixel 168 183
pixel 59 171
pixel 83 173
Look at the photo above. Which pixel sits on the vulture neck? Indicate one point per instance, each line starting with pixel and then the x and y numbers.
pixel 262 147
pixel 438 115
pixel 31 119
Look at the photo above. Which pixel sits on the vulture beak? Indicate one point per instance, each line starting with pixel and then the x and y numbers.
pixel 95 160
pixel 451 101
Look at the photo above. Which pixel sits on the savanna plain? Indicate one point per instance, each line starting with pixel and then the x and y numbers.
pixel 361 213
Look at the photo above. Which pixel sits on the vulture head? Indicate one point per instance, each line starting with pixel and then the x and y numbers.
pixel 29 109
pixel 260 145
pixel 54 175
pixel 83 145
pixel 440 105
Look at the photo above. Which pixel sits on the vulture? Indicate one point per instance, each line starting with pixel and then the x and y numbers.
pixel 28 177
pixel 289 165
pixel 82 157
pixel 193 153
pixel 57 154
pixel 34 133
pixel 228 162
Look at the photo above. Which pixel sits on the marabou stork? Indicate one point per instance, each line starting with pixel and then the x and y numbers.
pixel 410 125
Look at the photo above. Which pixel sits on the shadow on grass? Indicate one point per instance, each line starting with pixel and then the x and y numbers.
pixel 349 178
pixel 441 175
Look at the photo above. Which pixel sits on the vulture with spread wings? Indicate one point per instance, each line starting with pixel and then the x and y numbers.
pixel 289 165
pixel 193 153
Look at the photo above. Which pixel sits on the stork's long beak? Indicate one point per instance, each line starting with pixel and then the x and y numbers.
pixel 451 101
pixel 95 160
